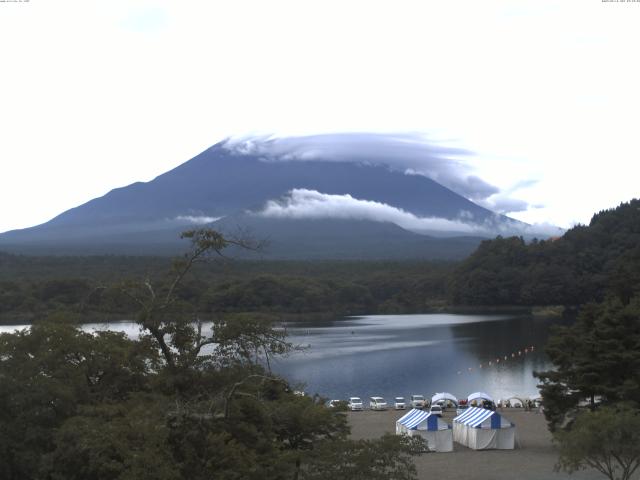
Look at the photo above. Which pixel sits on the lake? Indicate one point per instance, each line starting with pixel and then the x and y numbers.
pixel 400 355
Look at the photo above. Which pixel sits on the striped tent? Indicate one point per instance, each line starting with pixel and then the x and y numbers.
pixel 435 431
pixel 482 429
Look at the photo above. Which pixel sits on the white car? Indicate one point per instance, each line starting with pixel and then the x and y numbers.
pixel 335 403
pixel 355 403
pixel 417 401
pixel 436 410
pixel 399 403
pixel 377 403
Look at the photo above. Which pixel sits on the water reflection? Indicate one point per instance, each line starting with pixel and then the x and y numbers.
pixel 393 355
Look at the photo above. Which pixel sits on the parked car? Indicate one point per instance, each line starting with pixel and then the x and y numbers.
pixel 436 410
pixel 399 403
pixel 417 401
pixel 377 403
pixel 355 403
pixel 461 409
pixel 337 404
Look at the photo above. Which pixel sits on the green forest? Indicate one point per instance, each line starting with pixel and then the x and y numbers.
pixel 34 287
pixel 75 405
pixel 581 266
pixel 586 263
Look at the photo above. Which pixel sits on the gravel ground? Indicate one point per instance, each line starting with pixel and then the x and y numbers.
pixel 533 458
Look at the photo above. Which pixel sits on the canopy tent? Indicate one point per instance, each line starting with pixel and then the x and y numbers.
pixel 519 400
pixel 481 429
pixel 401 423
pixel 444 396
pixel 435 431
pixel 479 396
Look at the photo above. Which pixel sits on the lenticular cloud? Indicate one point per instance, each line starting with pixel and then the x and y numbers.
pixel 302 203
pixel 407 152
pixel 310 204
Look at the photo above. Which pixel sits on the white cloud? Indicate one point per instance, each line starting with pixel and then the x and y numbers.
pixel 311 204
pixel 504 205
pixel 147 19
pixel 303 203
pixel 197 219
pixel 411 153
pixel 103 94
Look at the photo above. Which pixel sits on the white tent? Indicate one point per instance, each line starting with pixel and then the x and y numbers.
pixel 444 396
pixel 515 401
pixel 479 396
pixel 481 429
pixel 435 431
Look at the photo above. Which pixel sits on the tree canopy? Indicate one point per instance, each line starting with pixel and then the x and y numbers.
pixel 596 358
pixel 582 266
pixel 607 440
pixel 184 400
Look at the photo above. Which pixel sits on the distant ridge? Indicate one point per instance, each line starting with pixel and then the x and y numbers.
pixel 584 265
pixel 224 190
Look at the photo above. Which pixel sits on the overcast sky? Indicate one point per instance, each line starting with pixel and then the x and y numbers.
pixel 543 97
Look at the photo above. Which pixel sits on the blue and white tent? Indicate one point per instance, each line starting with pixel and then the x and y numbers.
pixel 482 429
pixel 435 431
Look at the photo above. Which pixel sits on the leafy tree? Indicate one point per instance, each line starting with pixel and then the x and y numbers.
pixel 247 339
pixel 598 356
pixel 388 458
pixel 607 440
pixel 302 423
pixel 66 291
pixel 624 276
pixel 179 402
pixel 124 441
pixel 47 373
pixel 162 318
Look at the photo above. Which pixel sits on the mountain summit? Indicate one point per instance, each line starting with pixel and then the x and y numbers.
pixel 306 206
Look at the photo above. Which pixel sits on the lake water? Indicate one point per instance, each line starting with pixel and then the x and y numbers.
pixel 399 355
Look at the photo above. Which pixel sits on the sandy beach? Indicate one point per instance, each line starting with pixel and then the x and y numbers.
pixel 534 459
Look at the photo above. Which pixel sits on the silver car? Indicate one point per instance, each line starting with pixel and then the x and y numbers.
pixel 399 403
pixel 377 403
pixel 436 410
pixel 418 401
pixel 355 404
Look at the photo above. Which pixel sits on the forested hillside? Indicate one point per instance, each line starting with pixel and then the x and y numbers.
pixel 577 268
pixel 580 267
pixel 32 288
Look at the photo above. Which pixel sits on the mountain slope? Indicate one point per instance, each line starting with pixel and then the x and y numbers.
pixel 218 183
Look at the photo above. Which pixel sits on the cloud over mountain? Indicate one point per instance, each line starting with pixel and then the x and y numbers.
pixel 311 204
pixel 322 196
pixel 197 219
pixel 302 203
pixel 408 152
